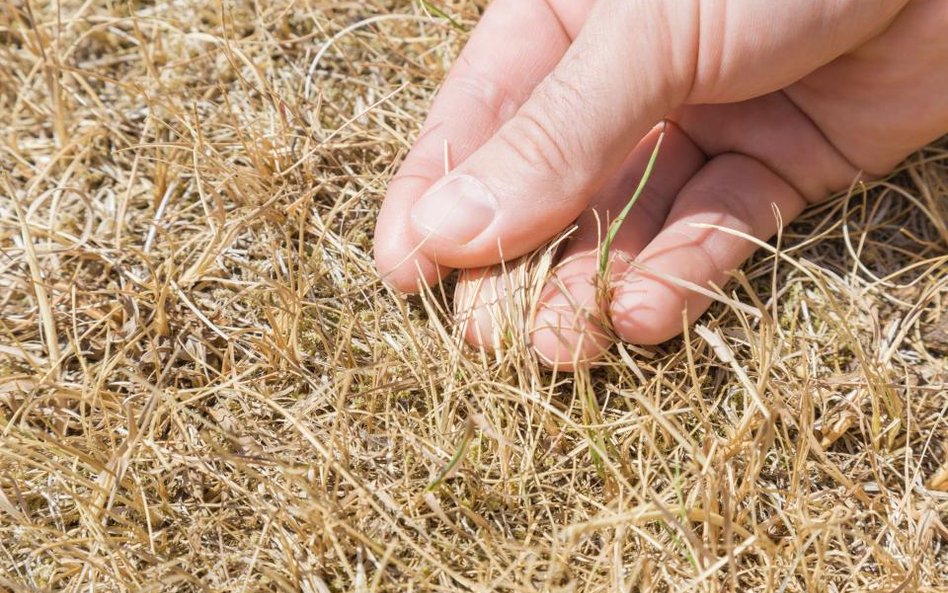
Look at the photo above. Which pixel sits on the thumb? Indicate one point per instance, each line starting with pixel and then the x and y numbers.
pixel 538 172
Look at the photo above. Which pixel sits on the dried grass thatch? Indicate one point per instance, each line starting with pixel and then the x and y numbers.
pixel 204 386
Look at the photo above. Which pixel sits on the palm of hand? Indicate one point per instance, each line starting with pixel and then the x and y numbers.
pixel 725 164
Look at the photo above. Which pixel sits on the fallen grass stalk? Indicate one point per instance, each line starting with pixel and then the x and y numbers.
pixel 38 284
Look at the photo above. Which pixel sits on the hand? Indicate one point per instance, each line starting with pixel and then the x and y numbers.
pixel 547 116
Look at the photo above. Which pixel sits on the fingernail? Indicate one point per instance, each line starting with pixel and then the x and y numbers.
pixel 457 209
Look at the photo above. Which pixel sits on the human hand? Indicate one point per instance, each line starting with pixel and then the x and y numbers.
pixel 547 115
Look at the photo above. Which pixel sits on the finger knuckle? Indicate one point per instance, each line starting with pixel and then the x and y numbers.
pixel 487 94
pixel 536 143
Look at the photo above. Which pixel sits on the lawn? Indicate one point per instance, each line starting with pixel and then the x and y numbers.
pixel 204 386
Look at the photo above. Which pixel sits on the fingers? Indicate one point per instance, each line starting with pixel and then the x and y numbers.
pixel 802 156
pixel 748 49
pixel 632 62
pixel 541 168
pixel 533 175
pixel 487 302
pixel 732 191
pixel 516 44
pixel 774 131
pixel 567 330
pixel 900 80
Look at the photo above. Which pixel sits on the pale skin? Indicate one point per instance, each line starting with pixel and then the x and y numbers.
pixel 550 114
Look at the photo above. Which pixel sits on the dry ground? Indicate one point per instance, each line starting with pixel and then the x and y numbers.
pixel 204 386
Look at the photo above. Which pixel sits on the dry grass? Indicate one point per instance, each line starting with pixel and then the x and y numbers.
pixel 204 386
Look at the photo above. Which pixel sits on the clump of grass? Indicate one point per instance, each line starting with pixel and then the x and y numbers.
pixel 205 387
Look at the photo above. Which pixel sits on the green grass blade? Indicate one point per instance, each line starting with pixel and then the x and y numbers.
pixel 616 224
pixel 441 13
pixel 458 456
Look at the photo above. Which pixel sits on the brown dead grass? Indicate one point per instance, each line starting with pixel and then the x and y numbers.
pixel 204 386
